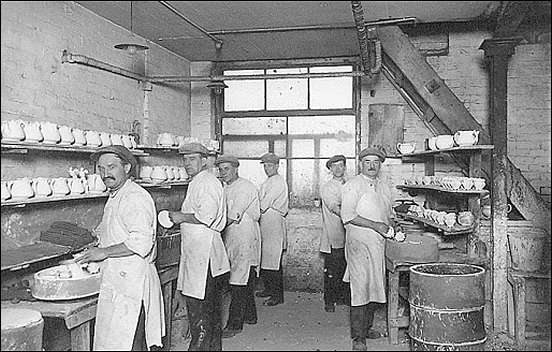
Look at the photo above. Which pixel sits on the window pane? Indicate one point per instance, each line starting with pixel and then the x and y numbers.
pixel 254 172
pixel 249 149
pixel 332 92
pixel 280 148
pixel 244 95
pixel 304 181
pixel 302 148
pixel 254 125
pixel 286 94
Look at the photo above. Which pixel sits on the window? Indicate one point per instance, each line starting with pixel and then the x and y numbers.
pixel 304 120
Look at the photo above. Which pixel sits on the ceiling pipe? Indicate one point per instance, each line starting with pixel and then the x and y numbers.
pixel 366 55
pixel 68 57
pixel 218 42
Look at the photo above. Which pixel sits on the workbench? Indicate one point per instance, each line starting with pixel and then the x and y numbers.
pixel 79 314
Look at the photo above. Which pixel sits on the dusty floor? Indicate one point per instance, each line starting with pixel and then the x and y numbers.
pixel 300 324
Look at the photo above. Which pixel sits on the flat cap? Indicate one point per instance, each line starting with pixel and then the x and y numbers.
pixel 335 159
pixel 379 152
pixel 193 148
pixel 119 150
pixel 270 158
pixel 227 158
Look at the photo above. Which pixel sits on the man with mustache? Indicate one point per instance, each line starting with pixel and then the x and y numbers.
pixel 243 243
pixel 366 211
pixel 203 260
pixel 130 313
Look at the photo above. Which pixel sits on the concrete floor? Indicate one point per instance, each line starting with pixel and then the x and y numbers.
pixel 300 324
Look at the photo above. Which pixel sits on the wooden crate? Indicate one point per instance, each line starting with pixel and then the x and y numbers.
pixel 168 250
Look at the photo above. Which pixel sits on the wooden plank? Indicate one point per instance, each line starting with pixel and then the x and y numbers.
pixel 440 189
pixel 80 337
pixel 14 259
pixel 386 126
pixel 468 149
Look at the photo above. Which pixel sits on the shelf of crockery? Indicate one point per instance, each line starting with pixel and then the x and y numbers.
pixel 23 202
pixel 443 229
pixel 164 184
pixel 23 148
pixel 441 189
pixel 469 148
pixel 168 149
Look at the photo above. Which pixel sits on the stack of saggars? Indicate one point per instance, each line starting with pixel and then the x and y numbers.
pixel 67 234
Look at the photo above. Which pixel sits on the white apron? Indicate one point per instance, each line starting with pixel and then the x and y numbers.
pixel 273 239
pixel 200 246
pixel 365 253
pixel 126 282
pixel 242 241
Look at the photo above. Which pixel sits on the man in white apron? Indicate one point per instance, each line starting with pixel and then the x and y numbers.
pixel 203 259
pixel 332 239
pixel 366 212
pixel 130 314
pixel 273 196
pixel 243 243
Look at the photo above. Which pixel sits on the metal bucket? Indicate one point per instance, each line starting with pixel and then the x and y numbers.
pixel 446 307
pixel 21 329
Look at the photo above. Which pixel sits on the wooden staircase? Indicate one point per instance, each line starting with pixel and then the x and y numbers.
pixel 443 113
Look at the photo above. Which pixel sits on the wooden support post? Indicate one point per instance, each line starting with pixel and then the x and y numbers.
pixel 498 52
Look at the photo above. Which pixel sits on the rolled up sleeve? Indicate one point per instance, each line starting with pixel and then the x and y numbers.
pixel 139 222
pixel 206 210
pixel 349 200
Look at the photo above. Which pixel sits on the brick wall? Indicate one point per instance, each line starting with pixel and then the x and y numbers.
pixel 36 86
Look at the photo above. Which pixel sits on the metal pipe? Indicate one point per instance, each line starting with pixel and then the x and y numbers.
pixel 393 21
pixel 365 56
pixel 218 42
pixel 81 59
pixel 159 79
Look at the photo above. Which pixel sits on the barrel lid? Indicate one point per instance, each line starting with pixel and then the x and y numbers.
pixel 19 317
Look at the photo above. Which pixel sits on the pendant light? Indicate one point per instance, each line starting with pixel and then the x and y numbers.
pixel 131 48
pixel 217 87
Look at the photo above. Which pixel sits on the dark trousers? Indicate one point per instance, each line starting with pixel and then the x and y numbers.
pixel 242 304
pixel 139 343
pixel 362 318
pixel 335 290
pixel 274 282
pixel 204 316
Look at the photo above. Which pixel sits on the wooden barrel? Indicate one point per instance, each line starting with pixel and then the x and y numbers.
pixel 21 329
pixel 446 307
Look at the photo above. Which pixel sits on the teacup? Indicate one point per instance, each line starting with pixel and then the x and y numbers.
pixel 93 139
pixel 106 139
pixel 5 191
pixel 21 188
pixel 59 186
pixel 32 132
pixel 80 139
pixel 66 134
pixel 50 132
pixel 41 187
pixel 12 131
pixel 406 148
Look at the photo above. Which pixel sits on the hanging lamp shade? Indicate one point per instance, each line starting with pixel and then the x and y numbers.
pixel 217 86
pixel 131 48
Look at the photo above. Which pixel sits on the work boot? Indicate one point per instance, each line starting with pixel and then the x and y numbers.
pixel 372 334
pixel 272 301
pixel 359 344
pixel 329 307
pixel 262 294
pixel 227 332
pixel 251 321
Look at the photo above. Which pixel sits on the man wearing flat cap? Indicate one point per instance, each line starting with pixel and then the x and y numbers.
pixel 366 212
pixel 273 196
pixel 243 243
pixel 332 238
pixel 130 314
pixel 203 260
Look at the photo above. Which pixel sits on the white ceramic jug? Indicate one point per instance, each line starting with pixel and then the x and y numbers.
pixel 80 139
pixel 106 139
pixel 133 142
pixel 466 138
pixel 158 174
pixel 66 134
pixel 125 138
pixel 41 187
pixel 170 173
pixel 50 131
pixel 444 141
pixel 93 139
pixel 183 173
pixel 166 139
pixel 12 131
pixel 116 139
pixel 59 186
pixel 96 184
pixel 76 185
pixel 21 188
pixel 32 132
pixel 5 191
pixel 145 172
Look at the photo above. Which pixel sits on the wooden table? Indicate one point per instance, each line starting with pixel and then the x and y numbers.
pixel 394 321
pixel 78 314
pixel 518 280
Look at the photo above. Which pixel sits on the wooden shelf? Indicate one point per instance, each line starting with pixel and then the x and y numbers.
pixel 448 231
pixel 159 148
pixel 168 185
pixel 467 149
pixel 22 147
pixel 441 189
pixel 22 203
